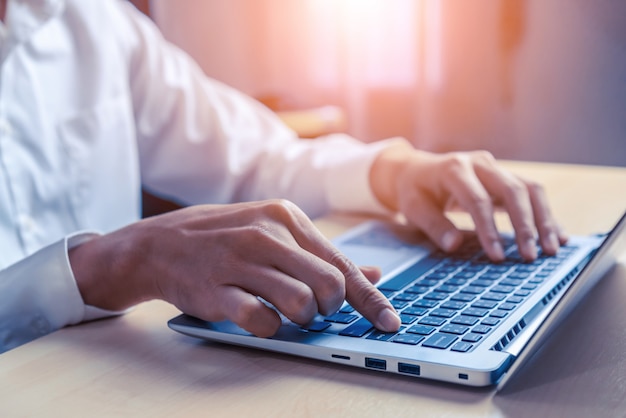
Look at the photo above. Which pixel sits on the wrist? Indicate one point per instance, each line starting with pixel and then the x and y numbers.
pixel 104 273
pixel 386 170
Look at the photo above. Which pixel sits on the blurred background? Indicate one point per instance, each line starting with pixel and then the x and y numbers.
pixel 540 80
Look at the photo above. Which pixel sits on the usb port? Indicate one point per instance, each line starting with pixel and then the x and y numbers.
pixel 375 363
pixel 413 369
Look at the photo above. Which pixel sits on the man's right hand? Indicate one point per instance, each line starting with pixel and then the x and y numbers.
pixel 215 261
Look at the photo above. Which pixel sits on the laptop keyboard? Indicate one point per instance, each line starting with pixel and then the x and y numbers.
pixel 452 301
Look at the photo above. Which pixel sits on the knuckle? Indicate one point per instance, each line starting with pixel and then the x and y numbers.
pixel 368 296
pixel 259 232
pixel 330 291
pixel 281 209
pixel 516 189
pixel 455 163
pixel 534 187
pixel 483 156
pixel 481 201
pixel 301 306
pixel 343 263
pixel 245 313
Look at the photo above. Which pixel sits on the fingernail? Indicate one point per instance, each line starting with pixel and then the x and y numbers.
pixel 498 251
pixel 448 241
pixel 388 320
pixel 553 241
pixel 531 249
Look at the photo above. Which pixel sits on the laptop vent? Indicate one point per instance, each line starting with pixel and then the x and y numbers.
pixel 560 285
pixel 509 336
pixel 517 328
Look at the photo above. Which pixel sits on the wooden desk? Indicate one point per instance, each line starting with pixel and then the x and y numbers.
pixel 135 366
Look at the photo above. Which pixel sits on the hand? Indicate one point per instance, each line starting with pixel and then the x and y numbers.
pixel 214 261
pixel 423 185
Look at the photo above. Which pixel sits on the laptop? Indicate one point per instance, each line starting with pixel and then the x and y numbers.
pixel 465 319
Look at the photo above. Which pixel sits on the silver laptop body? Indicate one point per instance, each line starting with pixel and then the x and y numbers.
pixel 444 337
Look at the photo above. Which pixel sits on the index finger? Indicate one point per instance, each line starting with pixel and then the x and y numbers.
pixel 360 292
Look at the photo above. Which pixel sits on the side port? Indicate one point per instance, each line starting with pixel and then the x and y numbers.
pixel 406 368
pixel 375 363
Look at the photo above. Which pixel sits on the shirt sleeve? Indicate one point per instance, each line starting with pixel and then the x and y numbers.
pixel 39 295
pixel 201 141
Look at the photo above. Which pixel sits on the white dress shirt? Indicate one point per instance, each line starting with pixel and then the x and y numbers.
pixel 94 103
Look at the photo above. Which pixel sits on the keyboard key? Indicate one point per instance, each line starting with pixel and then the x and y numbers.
pixel 436 276
pixel 421 329
pixel 357 329
pixel 407 276
pixel 475 312
pixel 453 304
pixel 341 318
pixel 399 304
pixel 502 289
pixel 423 303
pixel 407 319
pixel 515 299
pixel 415 311
pixel 447 289
pixel 463 297
pixel 472 337
pixel 445 268
pixel 473 290
pixel 464 320
pixel 490 321
pixel 511 282
pixel 526 267
pixel 442 312
pixel 456 282
pixel 484 304
pixel 507 306
pixel 417 289
pixel 411 339
pixel 462 347
pixel 482 282
pixel 346 309
pixel 317 326
pixel 498 297
pixel 381 336
pixel 519 275
pixel 474 267
pixel 428 282
pixel 481 329
pixel 440 341
pixel 436 296
pixel 454 329
pixel 432 320
pixel 406 297
pixel 465 275
pixel 498 313
pixel 491 276
pixel 522 293
pixel 498 269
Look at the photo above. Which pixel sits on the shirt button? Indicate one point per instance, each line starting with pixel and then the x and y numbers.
pixel 5 127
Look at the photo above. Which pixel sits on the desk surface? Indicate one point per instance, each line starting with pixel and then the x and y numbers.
pixel 135 366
